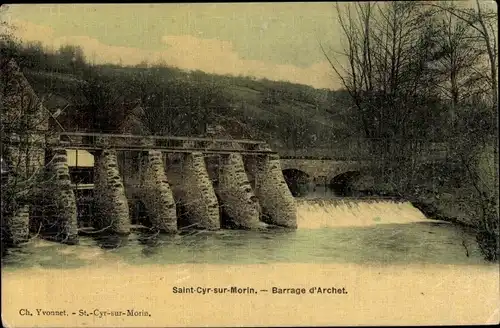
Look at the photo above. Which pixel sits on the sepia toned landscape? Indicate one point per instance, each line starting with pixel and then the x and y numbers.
pixel 254 164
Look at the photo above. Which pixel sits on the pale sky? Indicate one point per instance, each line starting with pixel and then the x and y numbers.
pixel 273 40
pixel 278 41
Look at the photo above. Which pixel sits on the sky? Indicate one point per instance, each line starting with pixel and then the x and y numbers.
pixel 278 41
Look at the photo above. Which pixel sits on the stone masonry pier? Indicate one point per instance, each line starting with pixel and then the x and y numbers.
pixel 276 200
pixel 199 198
pixel 109 195
pixel 63 212
pixel 156 194
pixel 237 198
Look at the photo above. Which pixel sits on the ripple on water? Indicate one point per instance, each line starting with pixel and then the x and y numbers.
pixel 328 233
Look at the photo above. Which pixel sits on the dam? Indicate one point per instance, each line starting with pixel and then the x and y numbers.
pixel 205 183
pixel 61 183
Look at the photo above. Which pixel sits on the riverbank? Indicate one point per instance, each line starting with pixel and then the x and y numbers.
pixel 435 206
pixel 460 207
pixel 376 295
pixel 438 211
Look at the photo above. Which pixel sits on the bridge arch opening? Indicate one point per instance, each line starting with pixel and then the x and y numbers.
pixel 343 184
pixel 297 181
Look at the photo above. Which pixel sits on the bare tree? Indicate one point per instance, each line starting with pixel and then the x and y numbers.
pixel 476 140
pixel 484 24
pixel 388 50
pixel 408 65
pixel 460 64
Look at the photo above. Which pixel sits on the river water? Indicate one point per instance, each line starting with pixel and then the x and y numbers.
pixel 329 231
pixel 396 266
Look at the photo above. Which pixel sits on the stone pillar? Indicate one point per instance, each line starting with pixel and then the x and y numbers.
pixel 130 170
pixel 276 200
pixel 156 194
pixel 26 157
pixel 236 194
pixel 109 195
pixel 25 120
pixel 62 201
pixel 17 225
pixel 16 191
pixel 199 197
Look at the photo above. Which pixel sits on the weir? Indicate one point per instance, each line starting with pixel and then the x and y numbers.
pixel 117 180
pixel 362 212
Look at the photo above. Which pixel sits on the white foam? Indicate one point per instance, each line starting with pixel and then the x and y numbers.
pixel 317 214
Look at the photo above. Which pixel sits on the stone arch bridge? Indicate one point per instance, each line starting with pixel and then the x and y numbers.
pixel 320 170
pixel 321 164
pixel 339 170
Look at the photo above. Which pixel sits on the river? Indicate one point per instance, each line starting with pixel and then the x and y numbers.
pixel 391 244
pixel 330 231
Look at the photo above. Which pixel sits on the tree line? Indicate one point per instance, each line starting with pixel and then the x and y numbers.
pixel 175 102
pixel 419 72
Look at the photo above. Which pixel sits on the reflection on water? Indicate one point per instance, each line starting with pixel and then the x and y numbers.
pixel 318 191
pixel 111 241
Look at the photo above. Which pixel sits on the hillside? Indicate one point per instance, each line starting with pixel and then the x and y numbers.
pixel 184 103
pixel 291 115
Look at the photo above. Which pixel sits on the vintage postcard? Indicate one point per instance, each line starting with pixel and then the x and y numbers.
pixel 249 164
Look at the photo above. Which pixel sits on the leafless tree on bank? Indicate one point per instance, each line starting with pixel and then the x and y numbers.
pixel 410 66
